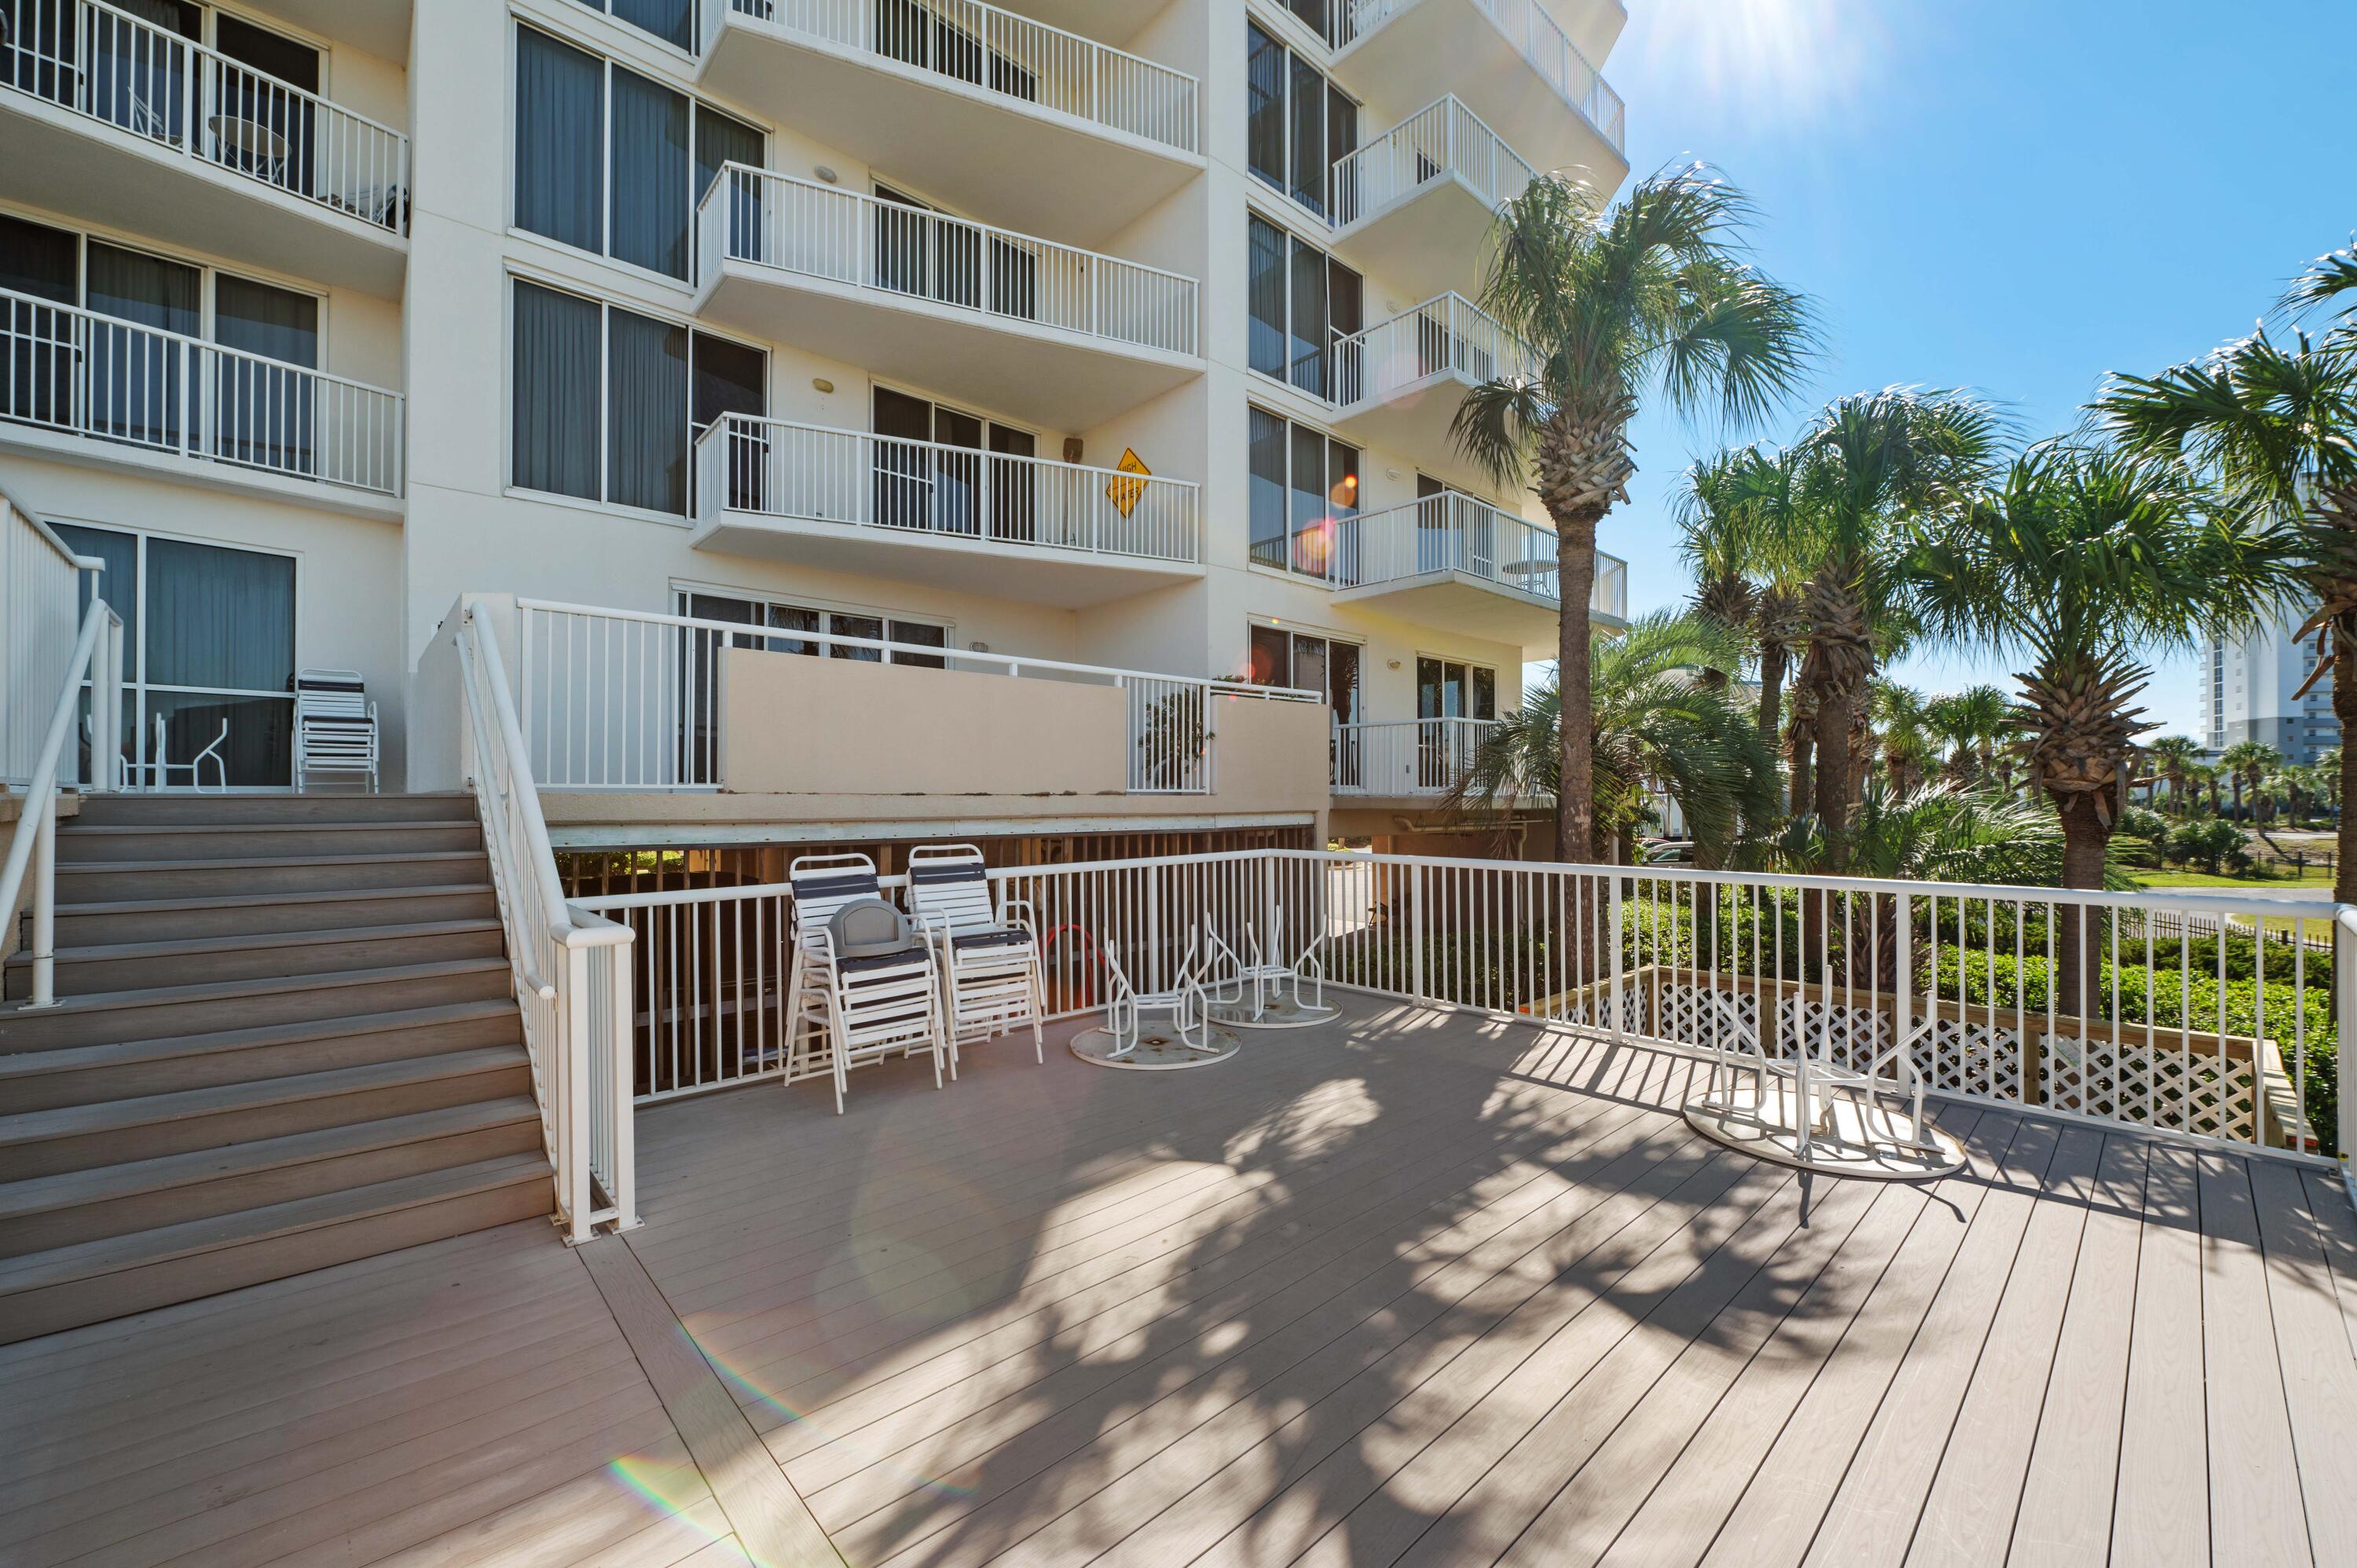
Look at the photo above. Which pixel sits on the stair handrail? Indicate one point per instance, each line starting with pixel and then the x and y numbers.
pixel 572 977
pixel 33 846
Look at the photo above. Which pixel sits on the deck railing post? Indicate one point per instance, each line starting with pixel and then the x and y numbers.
pixel 2344 1010
pixel 1416 930
pixel 45 900
pixel 1620 1019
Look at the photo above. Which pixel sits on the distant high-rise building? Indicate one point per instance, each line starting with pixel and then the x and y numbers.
pixel 2250 691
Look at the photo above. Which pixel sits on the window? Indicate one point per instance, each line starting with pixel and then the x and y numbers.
pixel 672 21
pixel 1304 485
pixel 610 162
pixel 774 616
pixel 208 644
pixel 1285 658
pixel 944 470
pixel 1447 688
pixel 604 402
pixel 1301 301
pixel 1297 124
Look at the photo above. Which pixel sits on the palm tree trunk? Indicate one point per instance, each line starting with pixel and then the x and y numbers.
pixel 1575 789
pixel 2084 837
pixel 1834 771
pixel 1771 692
pixel 1804 740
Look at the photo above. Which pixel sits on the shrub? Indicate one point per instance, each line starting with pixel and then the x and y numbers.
pixel 2207 844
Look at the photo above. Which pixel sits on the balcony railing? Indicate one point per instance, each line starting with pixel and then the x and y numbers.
pixel 622 700
pixel 1406 757
pixel 74 371
pixel 1448 335
pixel 188 100
pixel 771 221
pixel 1025 63
pixel 1540 39
pixel 774 469
pixel 1437 142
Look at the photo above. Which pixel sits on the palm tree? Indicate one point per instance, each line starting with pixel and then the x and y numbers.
pixel 1653 724
pixel 1909 742
pixel 2274 425
pixel 2174 754
pixel 1872 464
pixel 1971 724
pixel 2247 762
pixel 1648 296
pixel 1731 516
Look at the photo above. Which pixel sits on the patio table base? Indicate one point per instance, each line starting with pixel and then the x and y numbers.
pixel 1848 1139
pixel 1158 1049
pixel 1278 1012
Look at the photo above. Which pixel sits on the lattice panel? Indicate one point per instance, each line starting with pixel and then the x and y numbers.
pixel 2185 1092
pixel 1971 1057
pixel 1694 1015
pixel 1845 1036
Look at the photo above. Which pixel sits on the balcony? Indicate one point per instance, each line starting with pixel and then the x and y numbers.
pixel 968 99
pixel 1512 60
pixel 1463 566
pixel 1410 759
pixel 86 388
pixel 1415 204
pixel 114 121
pixel 1400 382
pixel 951 517
pixel 1062 336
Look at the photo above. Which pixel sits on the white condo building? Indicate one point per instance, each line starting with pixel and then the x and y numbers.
pixel 2251 692
pixel 1122 334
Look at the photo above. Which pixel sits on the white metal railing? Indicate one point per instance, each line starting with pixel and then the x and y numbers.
pixel 773 467
pixel 1448 335
pixel 1441 140
pixel 66 368
pixel 40 598
pixel 2086 1005
pixel 571 968
pixel 1007 56
pixel 68 757
pixel 1405 757
pixel 179 95
pixel 1538 35
pixel 628 699
pixel 772 221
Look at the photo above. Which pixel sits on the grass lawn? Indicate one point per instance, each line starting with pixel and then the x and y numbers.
pixel 2314 877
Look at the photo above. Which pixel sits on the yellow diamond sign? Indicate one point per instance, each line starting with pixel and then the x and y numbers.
pixel 1125 494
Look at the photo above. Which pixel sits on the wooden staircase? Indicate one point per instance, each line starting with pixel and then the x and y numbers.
pixel 284 1038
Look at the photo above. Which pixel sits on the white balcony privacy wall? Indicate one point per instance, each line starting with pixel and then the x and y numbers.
pixel 1439 141
pixel 39 588
pixel 762 220
pixel 772 467
pixel 1538 35
pixel 74 371
pixel 184 98
pixel 1446 336
pixel 618 700
pixel 1025 63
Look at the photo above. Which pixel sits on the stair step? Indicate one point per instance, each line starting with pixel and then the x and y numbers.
pixel 90 882
pixel 244 913
pixel 150 810
pixel 77 1137
pixel 114 1016
pixel 135 965
pixel 75 1207
pixel 79 844
pixel 81 1075
pixel 42 1293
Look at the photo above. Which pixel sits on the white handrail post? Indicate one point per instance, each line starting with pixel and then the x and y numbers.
pixel 1620 1020
pixel 1415 932
pixel 618 1017
pixel 45 900
pixel 575 1027
pixel 2345 976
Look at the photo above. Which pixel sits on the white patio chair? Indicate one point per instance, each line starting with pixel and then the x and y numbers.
pixel 1816 1078
pixel 1184 1002
pixel 335 725
pixel 1259 969
pixel 857 991
pixel 989 952
pixel 161 768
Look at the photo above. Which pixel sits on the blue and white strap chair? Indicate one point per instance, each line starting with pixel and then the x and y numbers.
pixel 863 984
pixel 1258 972
pixel 988 948
pixel 335 725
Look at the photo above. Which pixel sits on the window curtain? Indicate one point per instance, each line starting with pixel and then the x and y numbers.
pixel 650 175
pixel 1308 136
pixel 135 377
pixel 672 21
pixel 555 392
pixel 1265 460
pixel 136 80
pixel 292 162
pixel 1308 340
pixel 720 140
pixel 646 412
pixel 220 620
pixel 1264 296
pixel 1265 111
pixel 265 413
pixel 559 173
pixel 44 263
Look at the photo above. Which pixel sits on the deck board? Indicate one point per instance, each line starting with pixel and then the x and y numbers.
pixel 1426 1288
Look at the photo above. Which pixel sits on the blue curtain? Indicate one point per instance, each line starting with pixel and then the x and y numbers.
pixel 646 413
pixel 555 390
pixel 650 175
pixel 135 377
pixel 1265 294
pixel 1264 445
pixel 559 173
pixel 264 415
pixel 673 21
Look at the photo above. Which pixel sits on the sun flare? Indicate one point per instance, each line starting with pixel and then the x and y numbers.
pixel 1764 63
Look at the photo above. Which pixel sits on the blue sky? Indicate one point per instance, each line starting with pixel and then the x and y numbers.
pixel 2015 195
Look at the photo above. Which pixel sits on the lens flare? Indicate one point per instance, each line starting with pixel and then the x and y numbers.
pixel 1765 64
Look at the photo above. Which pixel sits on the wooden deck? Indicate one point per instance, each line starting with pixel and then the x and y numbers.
pixel 1418 1290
